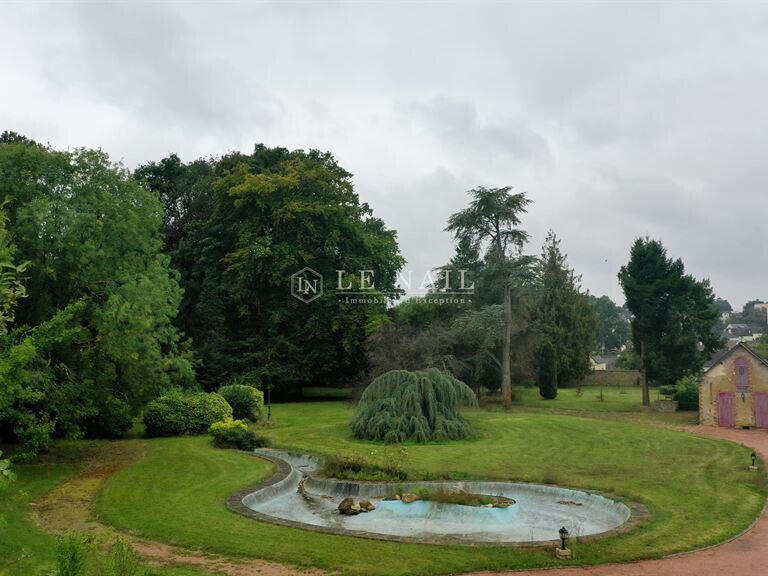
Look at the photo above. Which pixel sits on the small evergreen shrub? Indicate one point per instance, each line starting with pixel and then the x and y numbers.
pixel 247 402
pixel 548 372
pixel 421 406
pixel 687 393
pixel 236 434
pixel 205 408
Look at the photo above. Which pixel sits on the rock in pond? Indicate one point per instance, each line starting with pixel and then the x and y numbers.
pixel 349 507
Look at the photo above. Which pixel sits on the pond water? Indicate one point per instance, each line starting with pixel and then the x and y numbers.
pixel 538 513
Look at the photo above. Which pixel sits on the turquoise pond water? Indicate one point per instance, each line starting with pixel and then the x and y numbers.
pixel 537 515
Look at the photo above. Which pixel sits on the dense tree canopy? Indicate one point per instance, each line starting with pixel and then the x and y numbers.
pixel 237 228
pixel 93 340
pixel 11 278
pixel 672 314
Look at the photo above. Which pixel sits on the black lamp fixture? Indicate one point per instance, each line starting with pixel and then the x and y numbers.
pixel 563 538
pixel 754 459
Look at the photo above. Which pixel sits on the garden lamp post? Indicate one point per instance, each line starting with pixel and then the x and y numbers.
pixel 563 538
pixel 754 461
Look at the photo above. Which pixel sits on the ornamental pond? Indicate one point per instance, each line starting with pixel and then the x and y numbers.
pixel 297 496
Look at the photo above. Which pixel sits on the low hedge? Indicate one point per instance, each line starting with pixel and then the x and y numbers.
pixel 236 434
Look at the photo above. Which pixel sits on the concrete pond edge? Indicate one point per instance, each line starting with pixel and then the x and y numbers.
pixel 639 515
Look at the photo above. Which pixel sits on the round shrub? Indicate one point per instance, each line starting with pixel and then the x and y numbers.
pixel 420 406
pixel 204 410
pixel 687 393
pixel 236 434
pixel 247 402
pixel 167 415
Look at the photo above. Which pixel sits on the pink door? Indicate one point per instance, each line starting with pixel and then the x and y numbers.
pixel 725 416
pixel 761 410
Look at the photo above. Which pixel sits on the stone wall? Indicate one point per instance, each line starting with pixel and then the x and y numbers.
pixel 722 378
pixel 612 378
pixel 664 406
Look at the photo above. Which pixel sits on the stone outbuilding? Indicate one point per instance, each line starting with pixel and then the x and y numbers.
pixel 733 392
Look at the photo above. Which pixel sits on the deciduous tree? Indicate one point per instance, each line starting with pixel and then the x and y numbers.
pixel 237 228
pixel 93 340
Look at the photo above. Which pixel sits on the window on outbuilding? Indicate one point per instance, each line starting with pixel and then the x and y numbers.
pixel 741 364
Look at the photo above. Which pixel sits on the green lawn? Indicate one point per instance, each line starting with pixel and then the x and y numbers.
pixel 324 393
pixel 698 490
pixel 25 549
pixel 614 399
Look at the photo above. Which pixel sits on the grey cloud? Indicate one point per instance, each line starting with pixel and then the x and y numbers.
pixel 619 120
pixel 146 59
pixel 456 123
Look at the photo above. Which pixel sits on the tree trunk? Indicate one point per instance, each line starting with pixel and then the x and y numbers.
pixel 646 393
pixel 506 377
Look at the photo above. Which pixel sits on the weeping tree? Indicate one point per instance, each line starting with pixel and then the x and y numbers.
pixel 421 406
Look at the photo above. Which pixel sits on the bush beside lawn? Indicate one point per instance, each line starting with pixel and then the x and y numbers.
pixel 176 413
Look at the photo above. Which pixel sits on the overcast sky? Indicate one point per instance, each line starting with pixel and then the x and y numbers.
pixel 618 120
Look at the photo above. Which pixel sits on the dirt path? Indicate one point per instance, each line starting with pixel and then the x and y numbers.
pixel 70 508
pixel 744 556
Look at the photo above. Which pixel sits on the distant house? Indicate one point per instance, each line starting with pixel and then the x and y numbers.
pixel 597 362
pixel 603 361
pixel 733 391
pixel 735 333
